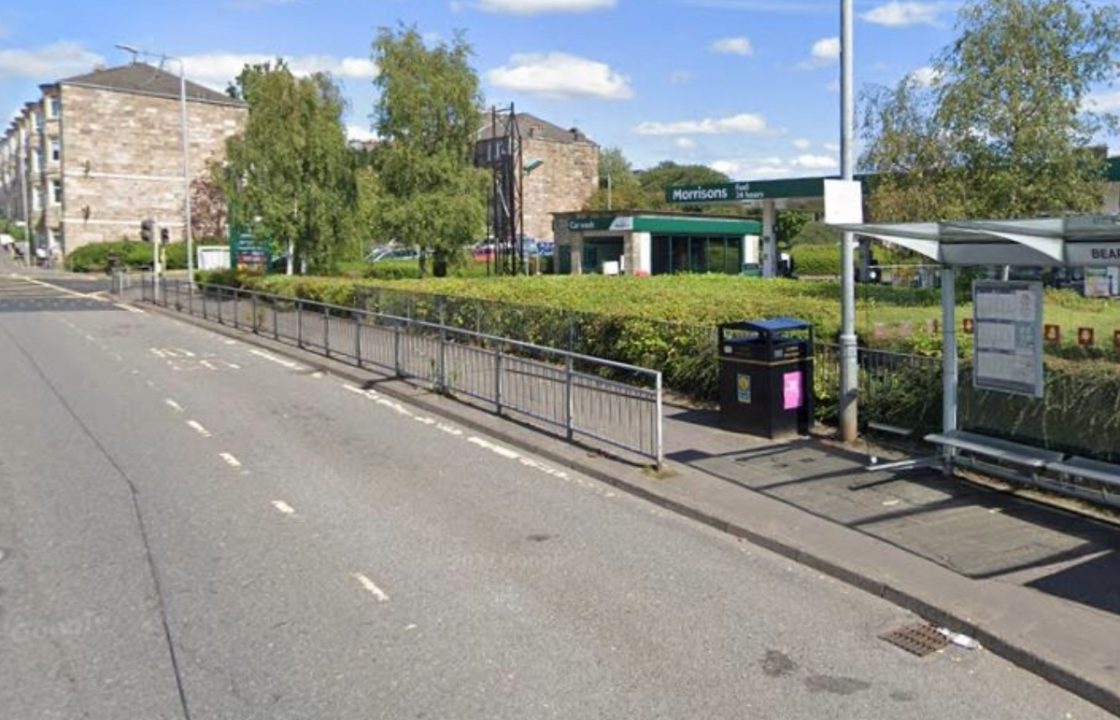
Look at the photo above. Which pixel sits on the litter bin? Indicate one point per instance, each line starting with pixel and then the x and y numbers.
pixel 766 377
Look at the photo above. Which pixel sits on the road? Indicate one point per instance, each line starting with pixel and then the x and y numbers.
pixel 194 528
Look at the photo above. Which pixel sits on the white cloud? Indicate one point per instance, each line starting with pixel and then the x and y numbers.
pixel 535 7
pixel 824 52
pixel 1106 102
pixel 48 62
pixel 904 14
pixel 218 69
pixel 815 162
pixel 925 76
pixel 360 133
pixel 560 75
pixel 685 143
pixel 745 123
pixel 802 144
pixel 732 46
pixel 832 147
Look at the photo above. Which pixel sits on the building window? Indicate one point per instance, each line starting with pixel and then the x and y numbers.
pixel 37 160
pixel 38 119
pixel 56 149
pixel 55 107
pixel 56 192
pixel 37 200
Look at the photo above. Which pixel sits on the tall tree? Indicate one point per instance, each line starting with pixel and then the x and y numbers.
pixel 619 188
pixel 1003 130
pixel 290 166
pixel 428 116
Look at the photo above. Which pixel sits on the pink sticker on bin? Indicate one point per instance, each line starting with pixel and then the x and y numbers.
pixel 792 395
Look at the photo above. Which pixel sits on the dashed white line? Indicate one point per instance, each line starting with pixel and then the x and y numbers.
pixel 207 364
pixel 173 405
pixel 278 360
pixel 230 459
pixel 371 587
pixel 496 449
pixel 197 427
pixel 283 507
pixel 129 308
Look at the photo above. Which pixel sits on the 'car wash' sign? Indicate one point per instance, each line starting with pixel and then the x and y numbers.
pixel 724 192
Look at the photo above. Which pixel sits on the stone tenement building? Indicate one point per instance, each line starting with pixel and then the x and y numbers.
pixel 98 153
pixel 565 178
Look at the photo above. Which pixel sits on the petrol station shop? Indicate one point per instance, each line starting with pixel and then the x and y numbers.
pixel 652 243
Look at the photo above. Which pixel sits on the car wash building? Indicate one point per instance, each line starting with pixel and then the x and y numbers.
pixel 654 243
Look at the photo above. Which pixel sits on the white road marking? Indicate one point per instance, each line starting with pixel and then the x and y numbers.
pixel 231 342
pixel 371 588
pixel 424 420
pixel 197 427
pixel 235 366
pixel 185 353
pixel 129 308
pixel 91 338
pixel 450 430
pixel 157 352
pixel 283 507
pixel 279 361
pixel 316 375
pixel 173 405
pixel 496 449
pixel 208 364
pixel 149 383
pixel 355 389
pixel 230 459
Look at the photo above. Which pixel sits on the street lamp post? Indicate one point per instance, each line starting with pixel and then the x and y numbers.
pixel 183 132
pixel 849 360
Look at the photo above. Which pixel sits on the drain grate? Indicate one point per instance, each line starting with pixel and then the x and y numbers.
pixel 920 639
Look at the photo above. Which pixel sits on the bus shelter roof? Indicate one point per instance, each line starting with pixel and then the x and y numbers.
pixel 1077 240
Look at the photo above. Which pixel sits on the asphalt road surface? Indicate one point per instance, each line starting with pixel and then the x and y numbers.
pixel 194 528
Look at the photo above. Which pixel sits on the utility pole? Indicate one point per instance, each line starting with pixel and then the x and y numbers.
pixel 849 360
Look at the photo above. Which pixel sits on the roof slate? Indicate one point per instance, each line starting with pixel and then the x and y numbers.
pixel 144 79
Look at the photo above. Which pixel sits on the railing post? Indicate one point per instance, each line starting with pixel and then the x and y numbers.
pixel 236 309
pixel 327 331
pixel 568 400
pixel 275 321
pixel 299 323
pixel 205 315
pixel 190 299
pixel 221 304
pixel 659 426
pixel 498 378
pixel 442 346
pixel 178 296
pixel 358 338
pixel 397 348
pixel 253 298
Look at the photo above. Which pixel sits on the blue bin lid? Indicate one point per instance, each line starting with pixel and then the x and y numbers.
pixel 779 324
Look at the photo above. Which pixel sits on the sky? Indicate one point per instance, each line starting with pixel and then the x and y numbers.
pixel 749 87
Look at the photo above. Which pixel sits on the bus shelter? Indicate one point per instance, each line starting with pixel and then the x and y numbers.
pixel 1061 242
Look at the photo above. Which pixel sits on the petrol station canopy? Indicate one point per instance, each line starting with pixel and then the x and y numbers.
pixel 1073 241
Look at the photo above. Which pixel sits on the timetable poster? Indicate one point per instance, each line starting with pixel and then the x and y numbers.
pixel 1007 345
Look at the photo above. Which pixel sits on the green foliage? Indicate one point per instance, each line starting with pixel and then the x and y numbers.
pixel 815 233
pixel 290 166
pixel 1003 131
pixel 9 227
pixel 788 225
pixel 95 256
pixel 427 116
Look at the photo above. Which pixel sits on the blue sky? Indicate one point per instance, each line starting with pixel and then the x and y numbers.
pixel 746 86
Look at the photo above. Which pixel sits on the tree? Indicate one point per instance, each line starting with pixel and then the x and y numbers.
pixel 1004 130
pixel 290 166
pixel 208 208
pixel 668 173
pixel 788 224
pixel 427 115
pixel 619 188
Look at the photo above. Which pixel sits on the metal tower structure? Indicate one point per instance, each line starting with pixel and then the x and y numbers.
pixel 501 152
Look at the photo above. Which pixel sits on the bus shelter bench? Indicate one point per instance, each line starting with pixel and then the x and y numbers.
pixel 1107 475
pixel 1003 451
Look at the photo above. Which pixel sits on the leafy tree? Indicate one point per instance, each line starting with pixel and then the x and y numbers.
pixel 427 115
pixel 208 208
pixel 788 224
pixel 619 188
pixel 1003 131
pixel 665 174
pixel 290 166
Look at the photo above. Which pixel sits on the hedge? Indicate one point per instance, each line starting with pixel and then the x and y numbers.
pixel 95 257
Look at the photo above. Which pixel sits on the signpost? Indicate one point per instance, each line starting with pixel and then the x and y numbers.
pixel 248 253
pixel 1007 350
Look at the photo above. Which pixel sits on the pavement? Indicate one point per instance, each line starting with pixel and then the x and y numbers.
pixel 1036 586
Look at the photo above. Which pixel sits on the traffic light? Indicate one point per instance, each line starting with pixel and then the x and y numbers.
pixel 148 230
pixel 164 235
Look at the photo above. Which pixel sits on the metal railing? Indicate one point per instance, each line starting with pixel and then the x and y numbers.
pixel 573 395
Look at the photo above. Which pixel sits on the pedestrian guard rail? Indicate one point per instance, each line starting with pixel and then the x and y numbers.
pixel 576 396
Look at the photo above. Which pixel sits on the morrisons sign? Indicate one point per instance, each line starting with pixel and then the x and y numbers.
pixel 726 192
